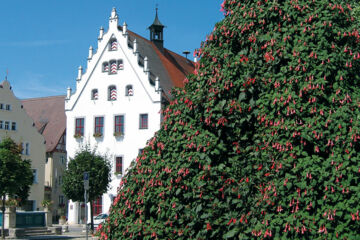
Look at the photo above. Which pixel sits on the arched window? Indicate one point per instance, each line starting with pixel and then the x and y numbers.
pixel 120 64
pixel 129 91
pixel 105 67
pixel 94 94
pixel 113 67
pixel 112 95
pixel 113 45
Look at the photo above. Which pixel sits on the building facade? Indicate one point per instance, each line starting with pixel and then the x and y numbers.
pixel 16 124
pixel 48 114
pixel 117 102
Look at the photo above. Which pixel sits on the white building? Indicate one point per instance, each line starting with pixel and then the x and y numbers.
pixel 117 102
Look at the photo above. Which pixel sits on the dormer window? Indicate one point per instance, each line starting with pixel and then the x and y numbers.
pixel 112 95
pixel 113 67
pixel 105 67
pixel 129 90
pixel 113 45
pixel 120 64
pixel 94 94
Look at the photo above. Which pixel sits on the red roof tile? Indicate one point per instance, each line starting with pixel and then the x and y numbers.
pixel 48 114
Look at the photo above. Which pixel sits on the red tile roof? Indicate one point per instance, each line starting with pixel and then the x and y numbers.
pixel 49 117
pixel 170 67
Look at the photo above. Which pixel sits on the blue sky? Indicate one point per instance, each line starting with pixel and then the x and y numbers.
pixel 43 42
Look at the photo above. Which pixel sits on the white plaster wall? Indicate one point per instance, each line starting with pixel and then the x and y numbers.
pixel 80 105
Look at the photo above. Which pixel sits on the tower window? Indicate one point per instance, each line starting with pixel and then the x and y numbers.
pixel 113 67
pixel 120 64
pixel 112 95
pixel 94 94
pixel 143 121
pixel 113 45
pixel 105 67
pixel 129 90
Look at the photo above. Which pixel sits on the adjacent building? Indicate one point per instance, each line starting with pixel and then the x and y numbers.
pixel 16 124
pixel 49 117
pixel 118 98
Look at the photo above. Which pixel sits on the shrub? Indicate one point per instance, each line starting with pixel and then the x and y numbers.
pixel 263 142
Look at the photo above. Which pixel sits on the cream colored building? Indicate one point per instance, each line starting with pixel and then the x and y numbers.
pixel 48 114
pixel 16 124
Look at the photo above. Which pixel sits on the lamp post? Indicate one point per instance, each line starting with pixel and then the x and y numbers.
pixel 86 187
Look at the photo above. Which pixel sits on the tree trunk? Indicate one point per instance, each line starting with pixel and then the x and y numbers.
pixel 3 218
pixel 91 215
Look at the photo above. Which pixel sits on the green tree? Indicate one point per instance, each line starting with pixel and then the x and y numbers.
pixel 263 142
pixel 99 168
pixel 16 176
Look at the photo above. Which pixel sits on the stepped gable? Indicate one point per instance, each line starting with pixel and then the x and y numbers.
pixel 171 68
pixel 49 117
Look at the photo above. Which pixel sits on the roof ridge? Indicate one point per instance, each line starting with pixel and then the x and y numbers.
pixel 38 98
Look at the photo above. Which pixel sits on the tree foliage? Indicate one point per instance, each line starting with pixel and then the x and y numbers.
pixel 99 169
pixel 263 142
pixel 16 175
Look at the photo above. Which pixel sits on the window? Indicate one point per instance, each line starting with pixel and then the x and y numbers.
pixel 8 107
pixel 1 124
pixel 120 64
pixel 113 45
pixel 113 67
pixel 97 206
pixel 7 125
pixel 61 146
pixel 13 126
pixel 129 90
pixel 99 126
pixel 34 171
pixel 143 121
pixel 60 180
pixel 118 165
pixel 61 200
pixel 105 67
pixel 119 125
pixel 22 148
pixel 1 106
pixel 112 95
pixel 94 94
pixel 27 149
pixel 62 159
pixel 79 127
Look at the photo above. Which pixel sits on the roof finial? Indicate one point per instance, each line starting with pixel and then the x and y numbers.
pixel 7 73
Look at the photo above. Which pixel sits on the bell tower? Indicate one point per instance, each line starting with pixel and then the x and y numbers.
pixel 157 32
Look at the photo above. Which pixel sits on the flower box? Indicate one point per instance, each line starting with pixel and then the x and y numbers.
pixel 98 135
pixel 118 134
pixel 78 135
